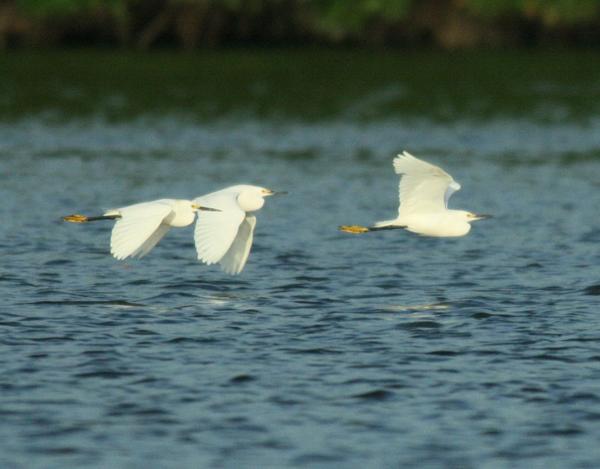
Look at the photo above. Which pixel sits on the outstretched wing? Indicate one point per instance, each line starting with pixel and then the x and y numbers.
pixel 234 260
pixel 139 228
pixel 423 186
pixel 215 232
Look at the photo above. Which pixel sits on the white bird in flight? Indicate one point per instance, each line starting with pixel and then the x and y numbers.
pixel 424 193
pixel 140 227
pixel 225 238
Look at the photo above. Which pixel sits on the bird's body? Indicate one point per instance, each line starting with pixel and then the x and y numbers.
pixel 140 227
pixel 424 193
pixel 223 233
pixel 226 236
pixel 438 224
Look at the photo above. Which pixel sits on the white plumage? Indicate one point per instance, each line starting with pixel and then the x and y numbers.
pixel 423 186
pixel 424 193
pixel 225 236
pixel 139 227
pixel 235 258
pixel 223 233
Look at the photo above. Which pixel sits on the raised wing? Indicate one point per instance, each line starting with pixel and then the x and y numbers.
pixel 452 188
pixel 215 232
pixel 139 228
pixel 423 187
pixel 234 260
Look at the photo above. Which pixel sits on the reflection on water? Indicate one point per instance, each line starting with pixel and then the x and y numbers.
pixel 386 349
pixel 426 309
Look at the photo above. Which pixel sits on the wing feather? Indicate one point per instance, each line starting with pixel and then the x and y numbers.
pixel 423 186
pixel 139 228
pixel 234 260
pixel 152 240
pixel 215 232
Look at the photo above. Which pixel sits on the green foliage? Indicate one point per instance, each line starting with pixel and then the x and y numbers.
pixel 549 11
pixel 567 11
pixel 341 16
pixel 492 8
pixel 45 8
pixel 329 20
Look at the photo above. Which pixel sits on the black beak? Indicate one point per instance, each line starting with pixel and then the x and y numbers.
pixel 483 216
pixel 279 193
pixel 206 209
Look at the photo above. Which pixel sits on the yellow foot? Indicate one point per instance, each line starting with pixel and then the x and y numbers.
pixel 355 229
pixel 76 218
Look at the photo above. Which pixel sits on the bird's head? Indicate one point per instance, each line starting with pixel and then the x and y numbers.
pixel 267 192
pixel 470 216
pixel 251 198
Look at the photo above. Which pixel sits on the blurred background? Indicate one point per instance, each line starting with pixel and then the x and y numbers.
pixel 190 24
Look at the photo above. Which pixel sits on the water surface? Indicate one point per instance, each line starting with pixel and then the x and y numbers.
pixel 330 350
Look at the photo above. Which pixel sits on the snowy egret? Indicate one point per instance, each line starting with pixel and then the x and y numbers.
pixel 225 236
pixel 140 226
pixel 424 193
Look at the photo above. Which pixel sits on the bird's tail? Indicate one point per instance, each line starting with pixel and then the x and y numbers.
pixel 77 218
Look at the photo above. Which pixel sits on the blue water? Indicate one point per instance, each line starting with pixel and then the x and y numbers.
pixel 330 350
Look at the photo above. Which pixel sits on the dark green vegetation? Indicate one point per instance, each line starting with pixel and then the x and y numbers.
pixel 301 84
pixel 196 23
